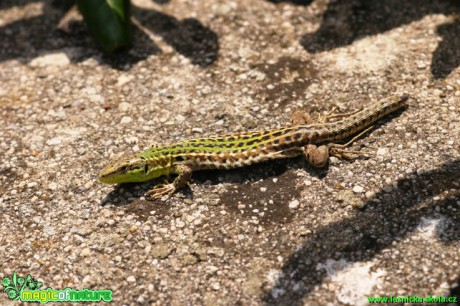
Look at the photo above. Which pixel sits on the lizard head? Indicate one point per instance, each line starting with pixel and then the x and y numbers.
pixel 127 168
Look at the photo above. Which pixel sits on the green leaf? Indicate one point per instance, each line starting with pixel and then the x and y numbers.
pixel 15 280
pixel 108 21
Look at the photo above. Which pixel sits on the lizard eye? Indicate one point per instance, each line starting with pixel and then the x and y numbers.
pixel 146 168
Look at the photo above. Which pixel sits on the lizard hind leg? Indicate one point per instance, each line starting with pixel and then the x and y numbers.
pixel 338 150
pixel 343 153
pixel 316 156
pixel 336 145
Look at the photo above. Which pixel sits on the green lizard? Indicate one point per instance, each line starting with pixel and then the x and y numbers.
pixel 242 149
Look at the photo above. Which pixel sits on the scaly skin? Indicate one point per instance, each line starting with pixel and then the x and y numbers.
pixel 242 149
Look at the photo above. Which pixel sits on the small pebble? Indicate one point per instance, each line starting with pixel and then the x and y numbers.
pixel 140 300
pixel 131 279
pixel 214 202
pixel 215 286
pixel 54 142
pixel 126 119
pixel 85 252
pixel 124 106
pixel 382 151
pixel 388 189
pixel 53 59
pixel 370 194
pixel 421 65
pixel 334 160
pixel 180 118
pixel 211 269
pixel 124 79
pixel 294 204
pixel 358 189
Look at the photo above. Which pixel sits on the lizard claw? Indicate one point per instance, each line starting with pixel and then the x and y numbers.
pixel 160 190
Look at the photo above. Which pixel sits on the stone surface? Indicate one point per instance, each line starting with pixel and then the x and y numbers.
pixel 200 68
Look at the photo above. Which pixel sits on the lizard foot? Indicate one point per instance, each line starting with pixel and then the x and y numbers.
pixel 161 190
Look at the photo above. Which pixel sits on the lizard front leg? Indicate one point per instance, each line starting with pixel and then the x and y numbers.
pixel 319 156
pixel 184 173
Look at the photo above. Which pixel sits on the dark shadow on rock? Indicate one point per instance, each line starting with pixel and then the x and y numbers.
pixel 126 197
pixel 31 37
pixel 6 4
pixel 455 292
pixel 257 172
pixel 28 38
pixel 446 57
pixel 189 36
pixel 161 1
pixel 346 21
pixel 296 2
pixel 62 4
pixel 248 181
pixel 141 48
pixel 276 89
pixel 380 223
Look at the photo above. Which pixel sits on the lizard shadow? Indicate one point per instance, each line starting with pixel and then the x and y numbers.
pixel 128 197
pixel 247 180
pixel 387 217
pixel 212 177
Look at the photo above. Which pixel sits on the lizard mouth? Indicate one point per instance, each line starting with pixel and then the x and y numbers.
pixel 104 178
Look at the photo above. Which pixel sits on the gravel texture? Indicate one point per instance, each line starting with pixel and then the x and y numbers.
pixel 278 233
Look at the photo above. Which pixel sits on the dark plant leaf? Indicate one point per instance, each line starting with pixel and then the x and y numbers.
pixel 108 21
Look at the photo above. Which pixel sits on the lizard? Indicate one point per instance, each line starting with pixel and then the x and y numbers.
pixel 316 141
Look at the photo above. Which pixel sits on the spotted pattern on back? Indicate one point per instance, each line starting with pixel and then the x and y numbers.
pixel 239 149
